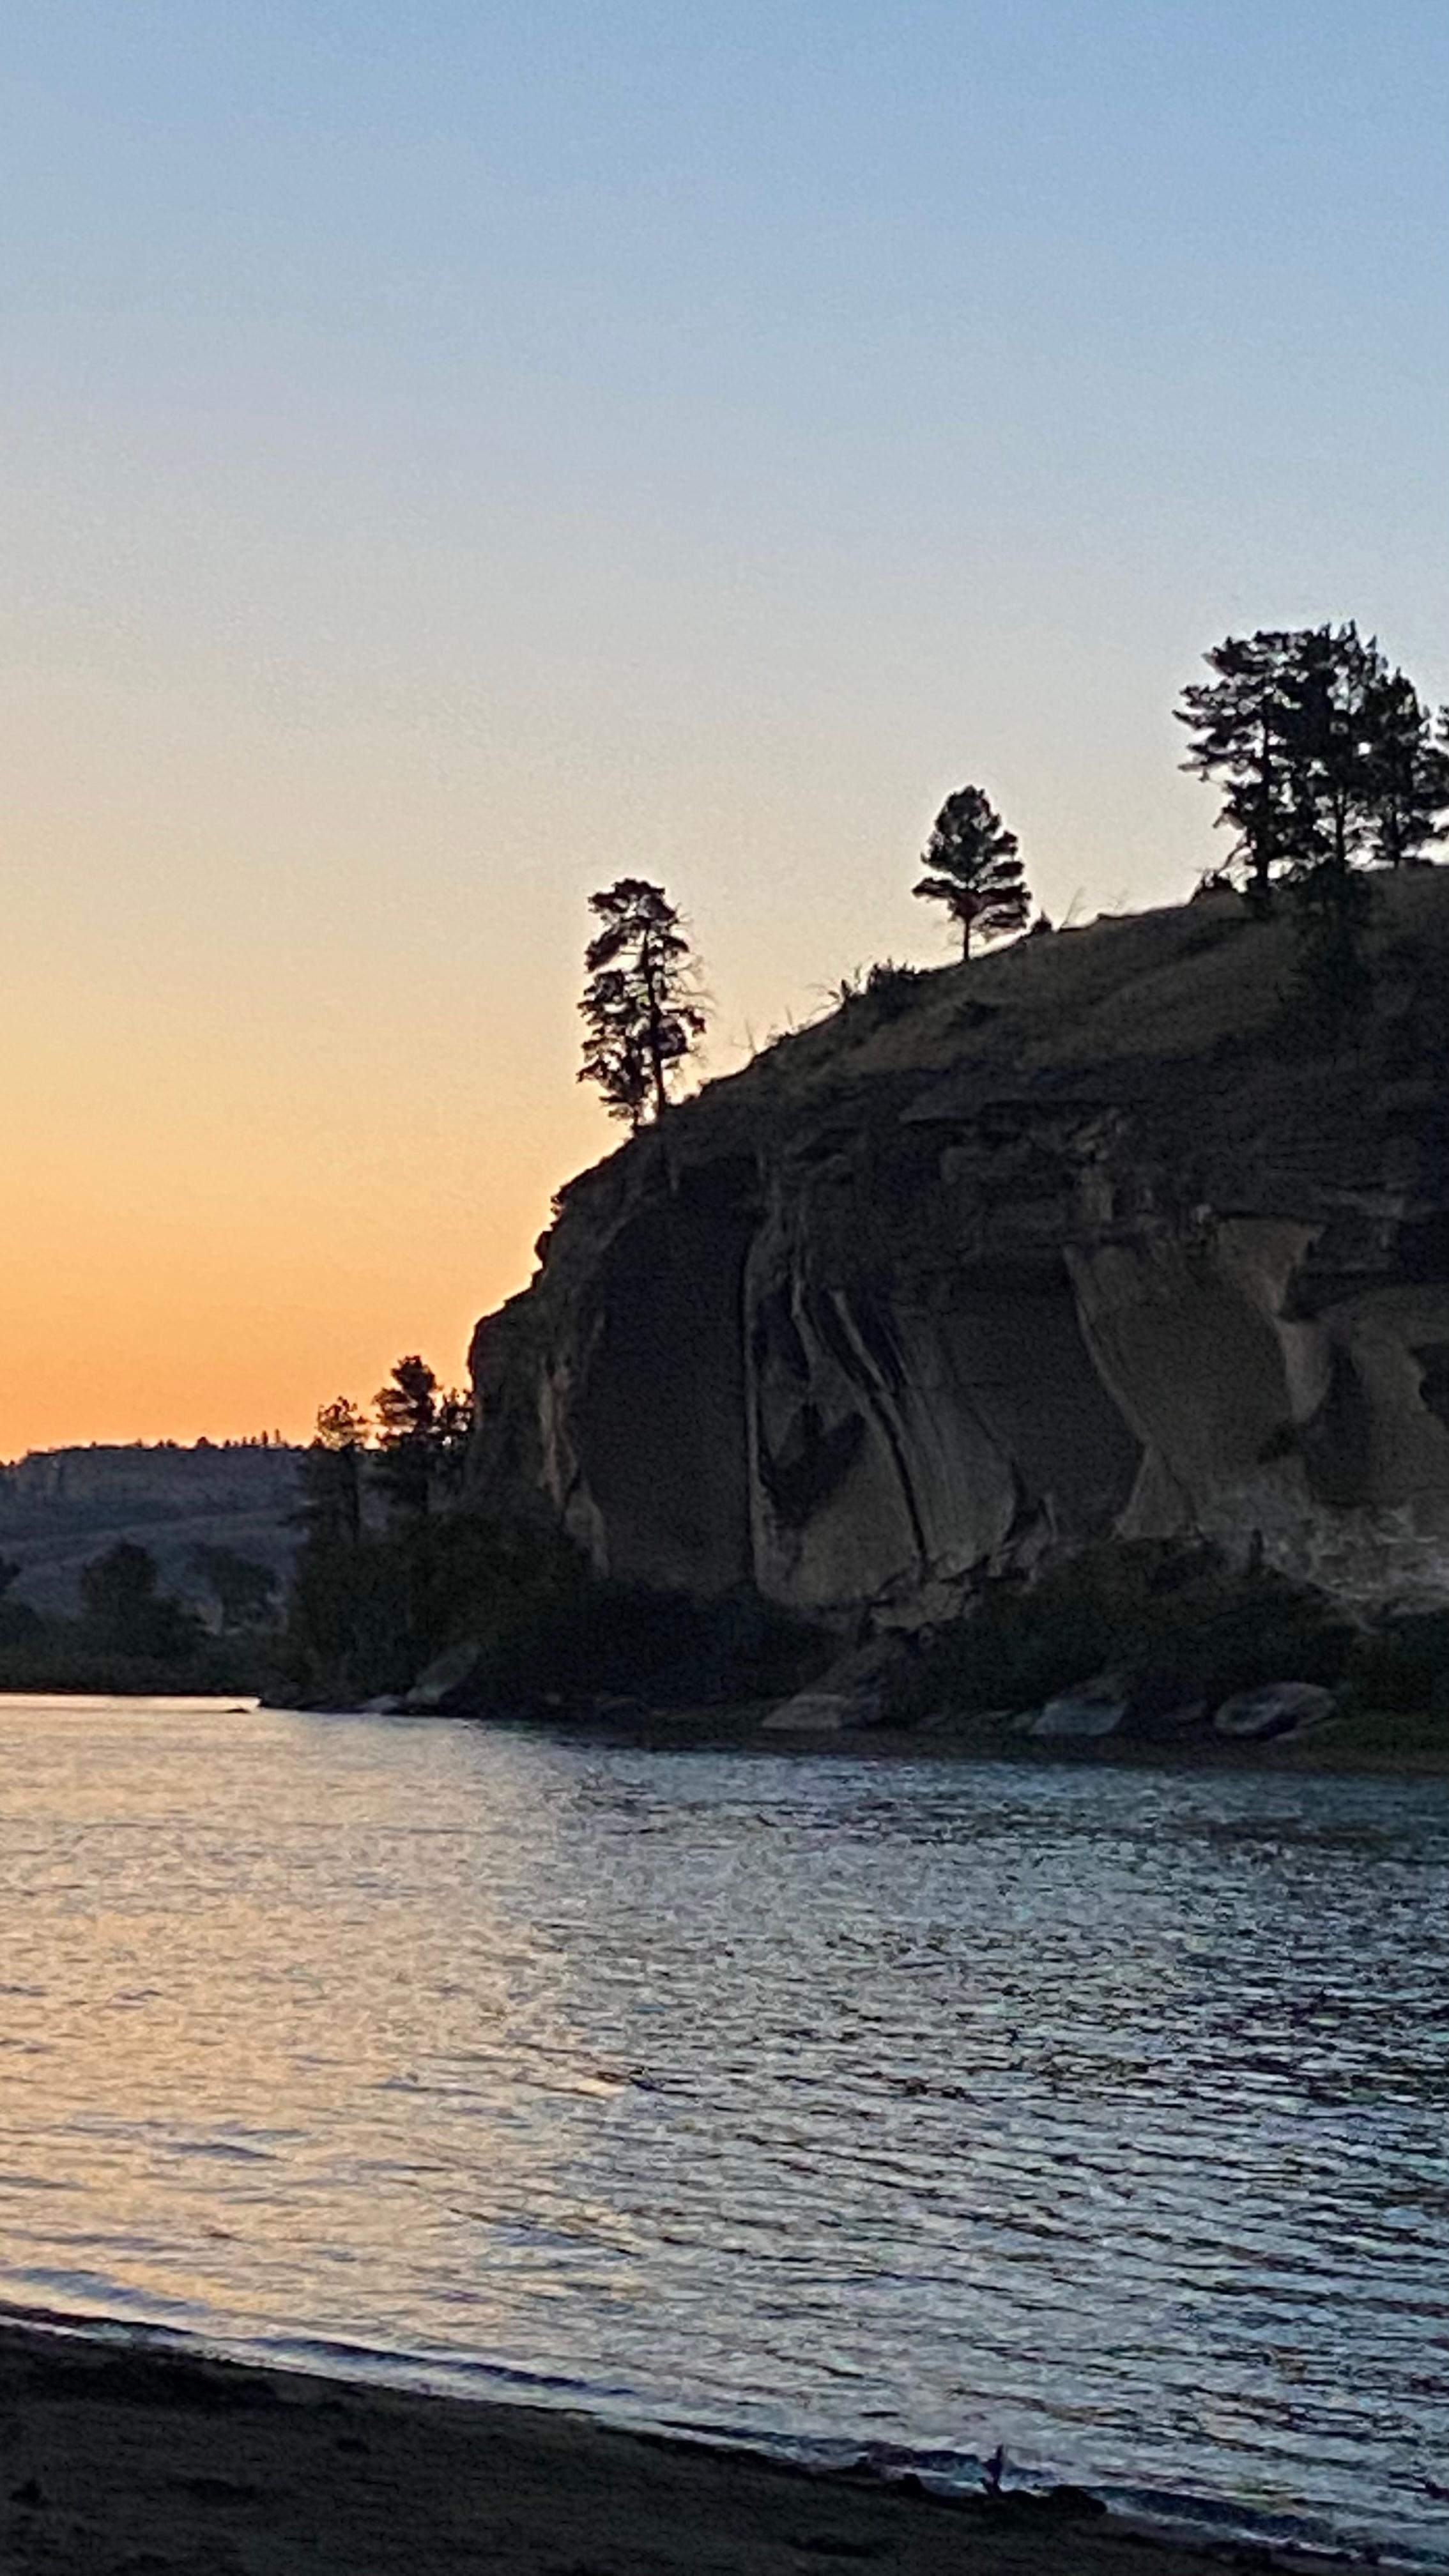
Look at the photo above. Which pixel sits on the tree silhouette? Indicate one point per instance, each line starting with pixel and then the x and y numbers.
pixel 423 1433
pixel 128 1612
pixel 1407 773
pixel 18 1622
pixel 1326 755
pixel 1335 690
pixel 331 1510
pixel 245 1592
pixel 974 869
pixel 1241 723
pixel 407 1418
pixel 642 1009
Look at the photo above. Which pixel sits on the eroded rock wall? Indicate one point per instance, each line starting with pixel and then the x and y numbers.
pixel 1020 1268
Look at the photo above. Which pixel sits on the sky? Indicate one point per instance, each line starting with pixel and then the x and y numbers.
pixel 456 456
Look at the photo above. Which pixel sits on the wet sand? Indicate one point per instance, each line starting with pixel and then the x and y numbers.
pixel 119 2462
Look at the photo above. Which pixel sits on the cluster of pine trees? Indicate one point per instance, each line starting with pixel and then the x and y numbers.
pixel 375 1572
pixel 1329 762
pixel 1327 756
pixel 1331 767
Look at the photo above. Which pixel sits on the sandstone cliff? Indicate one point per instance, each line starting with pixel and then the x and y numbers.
pixel 1065 1242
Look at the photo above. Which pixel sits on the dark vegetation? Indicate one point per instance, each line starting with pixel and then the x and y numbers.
pixel 1326 755
pixel 1330 764
pixel 1153 1614
pixel 1175 1625
pixel 371 1610
pixel 133 1636
pixel 396 1570
pixel 245 1592
pixel 157 1566
pixel 885 991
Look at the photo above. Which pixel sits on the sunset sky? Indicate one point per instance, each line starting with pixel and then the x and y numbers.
pixel 457 454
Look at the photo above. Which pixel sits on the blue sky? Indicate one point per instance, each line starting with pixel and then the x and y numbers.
pixel 457 455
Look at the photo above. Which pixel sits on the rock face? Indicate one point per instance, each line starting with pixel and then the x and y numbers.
pixel 1097 1708
pixel 449 1683
pixel 1070 1241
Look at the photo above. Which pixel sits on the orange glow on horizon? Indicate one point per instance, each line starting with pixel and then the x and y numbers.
pixel 445 476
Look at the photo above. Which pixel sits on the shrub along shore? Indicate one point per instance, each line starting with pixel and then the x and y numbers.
pixel 1145 1650
pixel 1127 1651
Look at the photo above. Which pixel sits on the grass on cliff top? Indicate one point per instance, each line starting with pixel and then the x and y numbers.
pixel 1180 981
pixel 1203 985
pixel 1173 980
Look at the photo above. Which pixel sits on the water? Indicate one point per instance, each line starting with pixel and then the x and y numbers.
pixel 824 2101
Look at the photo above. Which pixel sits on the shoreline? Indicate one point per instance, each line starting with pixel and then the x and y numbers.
pixel 124 2455
pixel 1372 1746
pixel 1367 1744
pixel 1375 1746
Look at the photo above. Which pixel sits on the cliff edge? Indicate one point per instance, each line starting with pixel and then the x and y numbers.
pixel 1071 1241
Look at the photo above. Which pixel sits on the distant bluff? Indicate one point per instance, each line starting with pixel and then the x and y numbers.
pixel 1069 1241
pixel 60 1508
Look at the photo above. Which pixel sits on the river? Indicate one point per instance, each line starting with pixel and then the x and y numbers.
pixel 831 2102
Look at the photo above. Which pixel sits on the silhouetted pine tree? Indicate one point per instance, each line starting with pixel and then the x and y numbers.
pixel 642 1008
pixel 1241 723
pixel 331 1510
pixel 1407 773
pixel 974 869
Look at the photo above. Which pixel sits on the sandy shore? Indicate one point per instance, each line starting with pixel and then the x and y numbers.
pixel 119 2462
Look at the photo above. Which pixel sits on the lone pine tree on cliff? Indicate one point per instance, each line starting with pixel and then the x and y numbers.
pixel 974 869
pixel 642 1010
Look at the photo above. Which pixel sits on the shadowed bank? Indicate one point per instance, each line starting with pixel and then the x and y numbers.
pixel 128 2460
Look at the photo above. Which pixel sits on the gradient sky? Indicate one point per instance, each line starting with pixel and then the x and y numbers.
pixel 455 455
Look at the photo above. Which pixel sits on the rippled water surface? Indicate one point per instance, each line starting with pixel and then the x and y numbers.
pixel 1098 2113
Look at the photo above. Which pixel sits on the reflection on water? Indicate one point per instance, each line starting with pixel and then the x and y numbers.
pixel 1092 2112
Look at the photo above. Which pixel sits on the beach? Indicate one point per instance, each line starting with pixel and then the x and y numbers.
pixel 130 2461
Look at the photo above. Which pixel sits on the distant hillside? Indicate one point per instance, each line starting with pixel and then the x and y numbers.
pixel 61 1507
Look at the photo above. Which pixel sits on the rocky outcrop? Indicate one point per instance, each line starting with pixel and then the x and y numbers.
pixel 1067 1242
pixel 1096 1708
pixel 1284 1708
